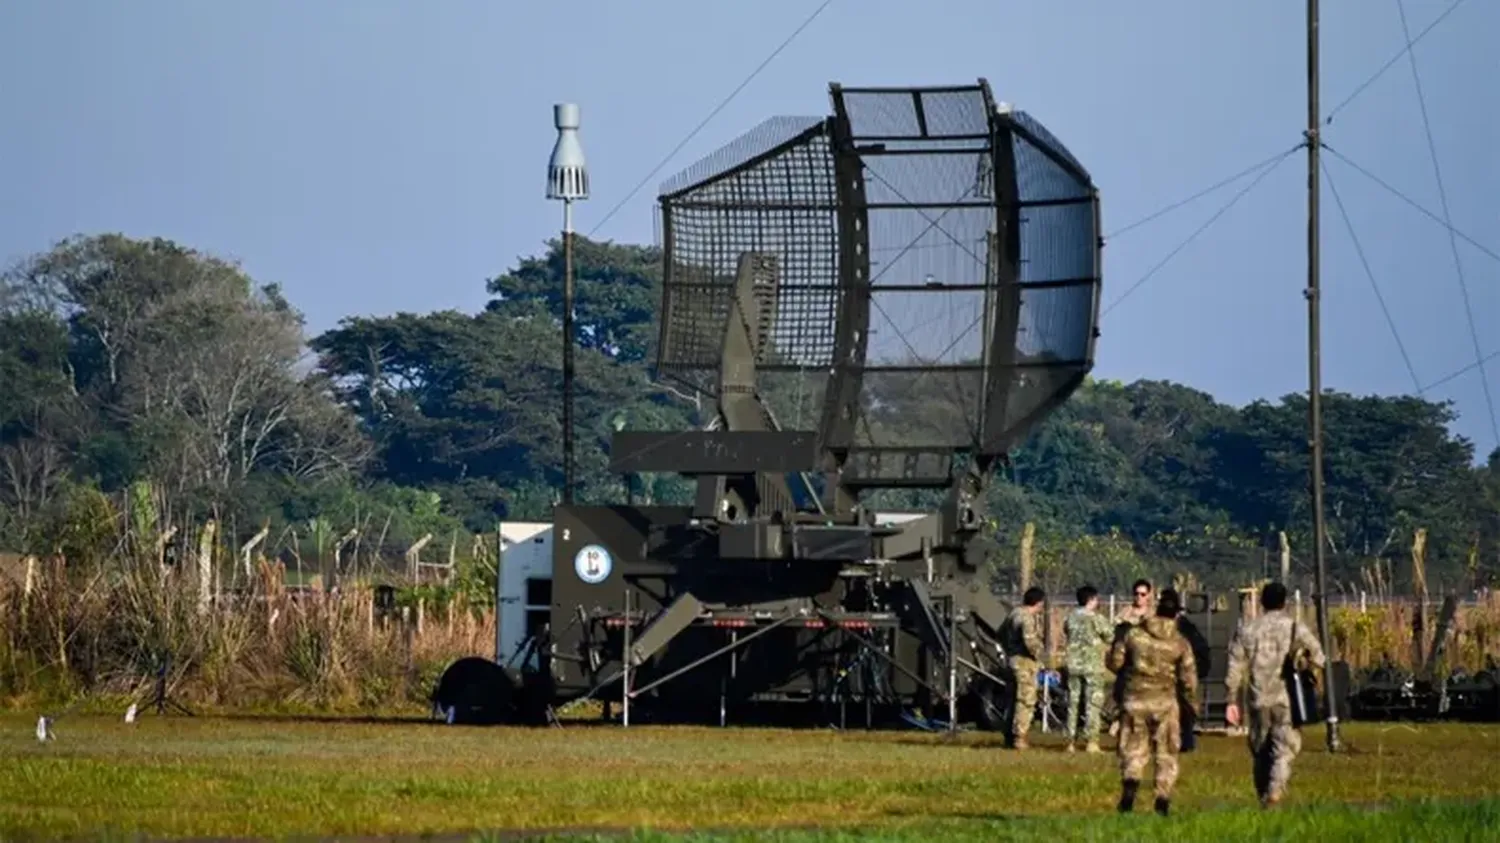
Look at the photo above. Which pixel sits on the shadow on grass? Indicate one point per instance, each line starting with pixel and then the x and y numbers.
pixel 1416 821
pixel 339 719
pixel 389 720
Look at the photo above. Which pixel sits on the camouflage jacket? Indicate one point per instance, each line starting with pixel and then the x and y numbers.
pixel 1157 663
pixel 1089 636
pixel 1133 616
pixel 1024 634
pixel 1258 652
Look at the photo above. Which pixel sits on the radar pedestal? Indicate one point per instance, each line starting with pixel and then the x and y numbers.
pixel 881 302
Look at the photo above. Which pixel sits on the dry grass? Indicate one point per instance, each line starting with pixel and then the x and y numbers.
pixel 1381 633
pixel 98 636
pixel 174 776
pixel 1384 634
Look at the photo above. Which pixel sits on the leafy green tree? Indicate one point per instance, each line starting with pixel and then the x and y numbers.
pixel 143 357
pixel 129 363
pixel 617 289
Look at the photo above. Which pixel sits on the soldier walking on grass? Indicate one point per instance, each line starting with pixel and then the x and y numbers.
pixel 1089 634
pixel 1130 616
pixel 1023 643
pixel 1157 669
pixel 1257 657
pixel 1202 656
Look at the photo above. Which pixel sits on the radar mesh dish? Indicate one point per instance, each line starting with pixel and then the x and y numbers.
pixel 944 251
pixel 771 191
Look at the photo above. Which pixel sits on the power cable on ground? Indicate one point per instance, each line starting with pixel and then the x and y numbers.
pixel 711 115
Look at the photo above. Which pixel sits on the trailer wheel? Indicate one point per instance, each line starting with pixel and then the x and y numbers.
pixel 475 691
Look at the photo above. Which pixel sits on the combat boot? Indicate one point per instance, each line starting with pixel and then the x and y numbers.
pixel 1127 796
pixel 1163 806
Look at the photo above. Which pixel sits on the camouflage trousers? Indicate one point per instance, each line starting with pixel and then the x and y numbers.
pixel 1025 672
pixel 1111 711
pixel 1149 730
pixel 1274 744
pixel 1086 691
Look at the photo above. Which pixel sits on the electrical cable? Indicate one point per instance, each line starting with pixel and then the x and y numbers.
pixel 1266 166
pixel 711 115
pixel 1328 121
pixel 1370 274
pixel 1274 159
pixel 1460 372
pixel 1412 202
pixel 1458 266
pixel 1191 237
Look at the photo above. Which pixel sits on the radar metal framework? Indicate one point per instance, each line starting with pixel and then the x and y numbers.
pixel 881 303
pixel 924 260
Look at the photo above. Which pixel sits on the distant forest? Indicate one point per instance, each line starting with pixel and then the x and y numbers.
pixel 130 365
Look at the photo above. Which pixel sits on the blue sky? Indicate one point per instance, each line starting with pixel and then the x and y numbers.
pixel 382 156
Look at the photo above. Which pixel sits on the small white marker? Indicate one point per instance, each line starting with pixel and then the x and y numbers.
pixel 44 729
pixel 130 714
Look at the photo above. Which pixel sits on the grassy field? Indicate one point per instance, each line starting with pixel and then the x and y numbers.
pixel 237 778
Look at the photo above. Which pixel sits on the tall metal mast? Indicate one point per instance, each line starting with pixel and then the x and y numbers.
pixel 1315 365
pixel 568 180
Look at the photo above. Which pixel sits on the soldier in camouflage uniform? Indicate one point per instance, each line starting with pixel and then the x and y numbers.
pixel 1157 669
pixel 1089 634
pixel 1256 656
pixel 1140 605
pixel 1202 656
pixel 1023 644
pixel 1130 616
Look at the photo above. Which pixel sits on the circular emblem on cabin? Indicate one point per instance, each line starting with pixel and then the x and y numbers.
pixel 592 564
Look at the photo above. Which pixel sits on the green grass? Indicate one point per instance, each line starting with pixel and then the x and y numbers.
pixel 1417 822
pixel 200 777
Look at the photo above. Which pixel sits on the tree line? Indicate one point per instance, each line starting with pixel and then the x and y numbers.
pixel 142 363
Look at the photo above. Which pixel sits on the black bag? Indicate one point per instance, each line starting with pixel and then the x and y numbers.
pixel 1188 723
pixel 1300 688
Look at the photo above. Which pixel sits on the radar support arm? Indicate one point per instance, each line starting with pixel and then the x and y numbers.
pixel 741 466
pixel 751 313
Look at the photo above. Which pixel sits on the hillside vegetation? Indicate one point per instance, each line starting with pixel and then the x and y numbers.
pixel 162 411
